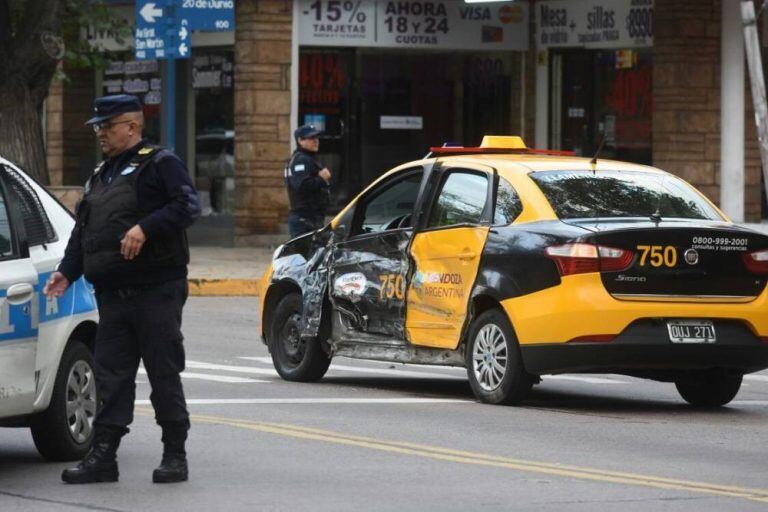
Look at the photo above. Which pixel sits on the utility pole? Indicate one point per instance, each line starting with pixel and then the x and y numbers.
pixel 757 80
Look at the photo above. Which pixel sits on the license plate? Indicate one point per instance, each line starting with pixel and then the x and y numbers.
pixel 691 331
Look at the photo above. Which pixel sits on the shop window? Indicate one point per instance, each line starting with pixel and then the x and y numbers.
pixel 140 78
pixel 608 94
pixel 212 81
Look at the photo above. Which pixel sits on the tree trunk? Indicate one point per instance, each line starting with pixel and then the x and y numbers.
pixel 21 131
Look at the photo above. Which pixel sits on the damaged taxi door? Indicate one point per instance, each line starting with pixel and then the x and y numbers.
pixel 446 253
pixel 370 266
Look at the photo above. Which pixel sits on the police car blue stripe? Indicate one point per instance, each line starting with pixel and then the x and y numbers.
pixel 23 320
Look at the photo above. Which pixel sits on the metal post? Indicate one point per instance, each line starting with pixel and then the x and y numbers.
pixel 731 113
pixel 757 81
pixel 542 99
pixel 169 101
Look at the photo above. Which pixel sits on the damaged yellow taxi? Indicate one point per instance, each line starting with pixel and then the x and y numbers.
pixel 516 263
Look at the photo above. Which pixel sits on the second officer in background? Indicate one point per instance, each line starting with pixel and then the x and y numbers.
pixel 308 182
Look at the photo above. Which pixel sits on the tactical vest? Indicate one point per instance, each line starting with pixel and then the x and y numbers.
pixel 108 211
pixel 300 201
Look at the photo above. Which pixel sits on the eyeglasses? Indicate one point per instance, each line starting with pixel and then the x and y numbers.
pixel 97 127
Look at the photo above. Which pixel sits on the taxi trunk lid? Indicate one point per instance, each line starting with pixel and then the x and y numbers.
pixel 679 259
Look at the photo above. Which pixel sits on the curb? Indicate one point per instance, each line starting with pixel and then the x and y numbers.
pixel 223 287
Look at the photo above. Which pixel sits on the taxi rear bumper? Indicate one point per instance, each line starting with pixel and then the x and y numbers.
pixel 645 349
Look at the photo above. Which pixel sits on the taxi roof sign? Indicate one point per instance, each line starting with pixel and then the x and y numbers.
pixel 503 142
pixel 495 144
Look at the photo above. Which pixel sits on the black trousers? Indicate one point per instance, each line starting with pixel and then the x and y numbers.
pixel 298 224
pixel 141 324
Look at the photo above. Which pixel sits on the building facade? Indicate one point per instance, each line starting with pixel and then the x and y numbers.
pixel 657 81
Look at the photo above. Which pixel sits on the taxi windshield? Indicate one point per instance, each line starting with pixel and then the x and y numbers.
pixel 580 194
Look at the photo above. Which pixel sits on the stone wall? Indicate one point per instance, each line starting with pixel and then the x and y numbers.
pixel 70 147
pixel 54 147
pixel 686 96
pixel 262 115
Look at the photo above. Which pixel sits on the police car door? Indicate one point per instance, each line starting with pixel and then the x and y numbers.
pixel 18 329
pixel 446 252
pixel 370 266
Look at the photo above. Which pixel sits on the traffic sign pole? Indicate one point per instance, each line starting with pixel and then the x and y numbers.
pixel 170 103
pixel 170 74
pixel 163 31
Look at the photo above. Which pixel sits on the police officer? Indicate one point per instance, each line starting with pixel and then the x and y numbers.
pixel 308 183
pixel 130 242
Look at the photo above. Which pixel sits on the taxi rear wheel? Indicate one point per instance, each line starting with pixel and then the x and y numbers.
pixel 65 430
pixel 711 388
pixel 295 358
pixel 494 365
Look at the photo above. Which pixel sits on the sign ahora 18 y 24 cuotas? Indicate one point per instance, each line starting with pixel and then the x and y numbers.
pixel 400 24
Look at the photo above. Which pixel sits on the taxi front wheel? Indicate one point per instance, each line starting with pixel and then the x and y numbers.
pixel 65 430
pixel 295 358
pixel 710 388
pixel 494 365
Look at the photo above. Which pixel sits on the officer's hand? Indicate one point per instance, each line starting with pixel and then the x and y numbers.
pixel 56 285
pixel 325 174
pixel 132 242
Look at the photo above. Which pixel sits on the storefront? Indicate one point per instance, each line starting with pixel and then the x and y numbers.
pixel 598 70
pixel 205 114
pixel 387 80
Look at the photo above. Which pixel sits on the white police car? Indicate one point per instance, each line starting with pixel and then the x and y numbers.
pixel 47 379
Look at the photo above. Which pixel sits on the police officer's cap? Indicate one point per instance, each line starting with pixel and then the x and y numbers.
pixel 108 107
pixel 306 131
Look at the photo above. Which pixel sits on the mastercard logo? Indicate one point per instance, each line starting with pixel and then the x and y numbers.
pixel 511 14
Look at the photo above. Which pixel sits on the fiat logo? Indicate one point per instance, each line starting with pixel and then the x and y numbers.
pixel 691 256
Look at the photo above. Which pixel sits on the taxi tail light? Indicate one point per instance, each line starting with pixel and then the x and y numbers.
pixel 757 261
pixel 764 339
pixel 581 258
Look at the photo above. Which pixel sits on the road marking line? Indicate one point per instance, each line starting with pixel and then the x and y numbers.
pixel 229 368
pixel 385 401
pixel 464 457
pixel 377 371
pixel 578 378
pixel 215 378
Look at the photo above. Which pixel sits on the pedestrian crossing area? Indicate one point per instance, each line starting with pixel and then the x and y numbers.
pixel 259 370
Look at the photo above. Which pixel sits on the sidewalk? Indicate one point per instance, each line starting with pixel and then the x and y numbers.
pixel 227 271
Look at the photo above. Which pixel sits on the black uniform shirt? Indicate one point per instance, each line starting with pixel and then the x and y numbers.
pixel 165 189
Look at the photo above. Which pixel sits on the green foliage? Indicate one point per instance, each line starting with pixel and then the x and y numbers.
pixel 89 18
pixel 82 20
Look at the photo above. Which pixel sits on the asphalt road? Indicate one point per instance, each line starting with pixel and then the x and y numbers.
pixel 376 436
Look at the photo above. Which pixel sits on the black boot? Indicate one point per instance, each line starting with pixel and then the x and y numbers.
pixel 99 465
pixel 173 468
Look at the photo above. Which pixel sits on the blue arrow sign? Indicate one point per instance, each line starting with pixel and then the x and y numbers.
pixel 152 39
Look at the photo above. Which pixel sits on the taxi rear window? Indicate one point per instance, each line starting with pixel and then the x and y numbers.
pixel 579 194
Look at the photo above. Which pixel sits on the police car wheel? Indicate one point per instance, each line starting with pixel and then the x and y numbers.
pixel 65 430
pixel 494 365
pixel 295 359
pixel 710 388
